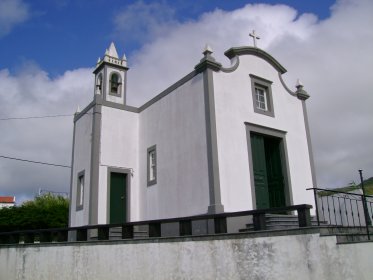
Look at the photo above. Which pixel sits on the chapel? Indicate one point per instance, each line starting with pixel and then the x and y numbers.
pixel 220 139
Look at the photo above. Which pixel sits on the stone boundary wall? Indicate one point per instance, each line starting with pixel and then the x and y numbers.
pixel 239 256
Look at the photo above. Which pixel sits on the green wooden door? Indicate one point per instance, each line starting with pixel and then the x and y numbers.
pixel 275 177
pixel 268 171
pixel 118 199
pixel 260 171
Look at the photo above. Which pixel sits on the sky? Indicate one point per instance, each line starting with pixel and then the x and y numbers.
pixel 48 50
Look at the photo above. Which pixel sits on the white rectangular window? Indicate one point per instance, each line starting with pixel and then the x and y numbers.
pixel 80 191
pixel 261 99
pixel 152 165
pixel 262 96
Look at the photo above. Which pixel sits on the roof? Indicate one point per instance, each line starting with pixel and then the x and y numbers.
pixel 7 199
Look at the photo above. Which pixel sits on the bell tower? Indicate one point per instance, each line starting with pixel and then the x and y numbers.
pixel 111 77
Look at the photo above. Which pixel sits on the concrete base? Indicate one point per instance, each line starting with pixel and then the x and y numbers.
pixel 301 254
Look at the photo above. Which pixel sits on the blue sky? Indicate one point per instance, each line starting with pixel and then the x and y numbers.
pixel 79 30
pixel 48 50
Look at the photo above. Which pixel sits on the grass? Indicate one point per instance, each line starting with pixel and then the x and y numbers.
pixel 368 186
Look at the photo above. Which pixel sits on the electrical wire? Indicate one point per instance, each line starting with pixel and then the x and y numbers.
pixel 38 162
pixel 35 117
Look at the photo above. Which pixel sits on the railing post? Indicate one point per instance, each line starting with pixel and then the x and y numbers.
pixel 45 236
pixel 13 238
pixel 61 236
pixel 103 233
pixel 259 220
pixel 127 231
pixel 316 206
pixel 220 225
pixel 304 216
pixel 81 234
pixel 28 237
pixel 185 227
pixel 154 230
pixel 365 207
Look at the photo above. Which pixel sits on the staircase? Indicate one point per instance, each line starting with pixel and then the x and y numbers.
pixel 139 232
pixel 278 222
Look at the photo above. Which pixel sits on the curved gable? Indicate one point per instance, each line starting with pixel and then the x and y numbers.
pixel 232 52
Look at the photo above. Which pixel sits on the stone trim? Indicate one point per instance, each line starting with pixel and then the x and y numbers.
pixel 258 82
pixel 128 172
pixel 78 206
pixel 309 144
pixel 120 82
pixel 148 151
pixel 212 145
pixel 169 90
pixel 232 52
pixel 95 164
pixel 267 131
pixel 285 86
pixel 233 67
pixel 71 175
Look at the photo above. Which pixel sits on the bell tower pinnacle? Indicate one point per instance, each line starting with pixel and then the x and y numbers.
pixel 111 77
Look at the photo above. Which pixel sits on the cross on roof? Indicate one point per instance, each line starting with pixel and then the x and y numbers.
pixel 255 37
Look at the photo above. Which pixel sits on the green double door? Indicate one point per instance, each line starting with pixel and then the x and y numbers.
pixel 268 170
pixel 118 198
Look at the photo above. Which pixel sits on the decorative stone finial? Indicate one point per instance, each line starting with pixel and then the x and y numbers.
pixel 301 93
pixel 112 51
pixel 77 110
pixel 255 37
pixel 298 84
pixel 98 60
pixel 207 50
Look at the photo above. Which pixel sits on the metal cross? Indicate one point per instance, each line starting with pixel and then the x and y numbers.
pixel 255 37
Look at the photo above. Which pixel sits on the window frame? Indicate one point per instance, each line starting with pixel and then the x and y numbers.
pixel 151 150
pixel 80 186
pixel 265 85
pixel 119 88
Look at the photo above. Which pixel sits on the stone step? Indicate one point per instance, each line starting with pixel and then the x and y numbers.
pixel 275 222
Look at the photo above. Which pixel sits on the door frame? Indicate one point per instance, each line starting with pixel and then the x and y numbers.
pixel 128 172
pixel 271 132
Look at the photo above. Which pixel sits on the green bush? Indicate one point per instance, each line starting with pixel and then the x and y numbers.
pixel 43 212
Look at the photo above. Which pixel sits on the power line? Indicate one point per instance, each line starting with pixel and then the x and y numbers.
pixel 34 117
pixel 33 161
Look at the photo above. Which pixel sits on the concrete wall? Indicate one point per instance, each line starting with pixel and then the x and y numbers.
pixel 306 256
pixel 176 125
pixel 234 107
pixel 82 162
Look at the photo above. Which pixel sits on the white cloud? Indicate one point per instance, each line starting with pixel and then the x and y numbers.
pixel 32 93
pixel 141 20
pixel 12 12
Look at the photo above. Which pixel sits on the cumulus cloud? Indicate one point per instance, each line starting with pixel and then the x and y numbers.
pixel 143 20
pixel 31 92
pixel 12 12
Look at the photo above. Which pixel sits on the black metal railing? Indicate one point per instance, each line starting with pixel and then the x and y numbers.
pixel 343 209
pixel 175 227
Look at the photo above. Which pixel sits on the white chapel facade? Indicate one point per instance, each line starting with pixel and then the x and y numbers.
pixel 218 140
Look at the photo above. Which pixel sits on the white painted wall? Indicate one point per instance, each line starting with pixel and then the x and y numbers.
pixel 176 125
pixel 293 257
pixel 234 106
pixel 82 161
pixel 120 149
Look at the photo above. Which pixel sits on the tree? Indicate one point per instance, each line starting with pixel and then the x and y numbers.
pixel 46 211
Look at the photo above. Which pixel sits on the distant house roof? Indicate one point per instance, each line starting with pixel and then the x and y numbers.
pixel 7 199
